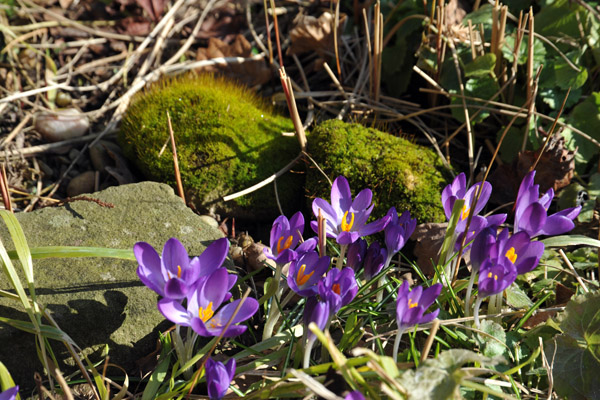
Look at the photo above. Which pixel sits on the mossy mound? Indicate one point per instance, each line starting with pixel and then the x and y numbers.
pixel 228 139
pixel 400 173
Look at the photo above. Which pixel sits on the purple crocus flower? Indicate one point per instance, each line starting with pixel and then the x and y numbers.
pixel 319 312
pixel 218 377
pixel 495 277
pixel 173 274
pixel 354 395
pixel 10 394
pixel 338 288
pixel 374 260
pixel 305 272
pixel 285 235
pixel 346 219
pixel 531 211
pixel 517 249
pixel 458 190
pixel 398 230
pixel 204 313
pixel 356 254
pixel 412 304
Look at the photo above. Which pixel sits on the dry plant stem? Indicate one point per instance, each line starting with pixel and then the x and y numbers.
pixel 336 24
pixel 564 257
pixel 291 102
pixel 321 234
pixel 466 110
pixel 4 189
pixel 530 84
pixel 430 339
pixel 340 259
pixel 267 26
pixel 551 132
pixel 276 25
pixel 175 161
pixel 315 386
pixel 266 181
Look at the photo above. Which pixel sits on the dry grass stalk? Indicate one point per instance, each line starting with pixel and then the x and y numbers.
pixel 175 161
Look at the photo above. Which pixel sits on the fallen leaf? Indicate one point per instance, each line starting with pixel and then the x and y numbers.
pixel 136 26
pixel 251 72
pixel 554 170
pixel 429 238
pixel 311 34
pixel 154 8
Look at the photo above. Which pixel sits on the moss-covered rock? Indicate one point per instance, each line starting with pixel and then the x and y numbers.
pixel 400 173
pixel 98 302
pixel 228 139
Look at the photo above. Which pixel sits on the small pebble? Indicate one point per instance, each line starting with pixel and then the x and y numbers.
pixel 61 125
pixel 82 183
pixel 207 219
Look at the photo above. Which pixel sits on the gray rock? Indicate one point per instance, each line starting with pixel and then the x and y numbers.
pixel 98 301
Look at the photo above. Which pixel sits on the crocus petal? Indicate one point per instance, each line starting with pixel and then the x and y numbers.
pixel 354 395
pixel 495 220
pixel 427 318
pixel 174 311
pixel 174 256
pixel 328 212
pixel 532 220
pixel 429 295
pixel 230 368
pixel 9 394
pixel 362 200
pixel 374 227
pixel 341 197
pixel 247 310
pixel 347 237
pixel 481 247
pixel 557 224
pixel 176 289
pixel 306 246
pixel 214 289
pixel 213 256
pixel 149 269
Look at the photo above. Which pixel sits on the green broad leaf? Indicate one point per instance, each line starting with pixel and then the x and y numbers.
pixel 517 298
pixel 554 97
pixel 575 354
pixel 539 51
pixel 567 77
pixel 440 378
pixel 593 191
pixel 570 240
pixel 483 88
pixel 584 258
pixel 585 117
pixel 560 18
pixel 493 342
pixel 74 251
pixel 47 331
pixel 481 66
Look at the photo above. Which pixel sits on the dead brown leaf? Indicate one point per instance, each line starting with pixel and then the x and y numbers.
pixel 429 238
pixel 154 8
pixel 555 170
pixel 251 73
pixel 311 34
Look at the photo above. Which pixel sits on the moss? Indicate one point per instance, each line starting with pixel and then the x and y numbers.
pixel 400 173
pixel 228 139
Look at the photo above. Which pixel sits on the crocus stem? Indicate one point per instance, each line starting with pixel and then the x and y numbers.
pixel 340 260
pixel 469 292
pixel 383 280
pixel 397 344
pixel 309 345
pixel 476 311
pixel 273 311
pixel 180 350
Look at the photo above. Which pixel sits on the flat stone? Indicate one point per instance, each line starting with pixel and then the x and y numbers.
pixel 98 301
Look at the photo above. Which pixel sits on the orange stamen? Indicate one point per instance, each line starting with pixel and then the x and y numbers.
pixel 301 278
pixel 206 314
pixel 345 225
pixel 336 288
pixel 511 255
pixel 286 244
pixel 411 304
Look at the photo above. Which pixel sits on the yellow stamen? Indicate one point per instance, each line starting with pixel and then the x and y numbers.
pixel 345 225
pixel 179 271
pixel 206 314
pixel 489 274
pixel 301 278
pixel 336 288
pixel 411 304
pixel 465 213
pixel 286 244
pixel 511 255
